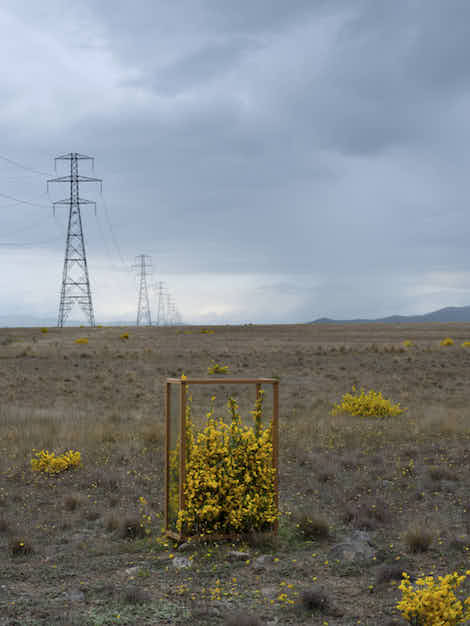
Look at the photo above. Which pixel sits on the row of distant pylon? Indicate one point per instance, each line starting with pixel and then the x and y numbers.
pixel 167 313
pixel 75 287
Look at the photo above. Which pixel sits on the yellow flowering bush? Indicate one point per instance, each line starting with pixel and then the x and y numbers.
pixel 466 344
pixel 124 336
pixel 145 516
pixel 433 603
pixel 49 463
pixel 44 330
pixel 407 343
pixel 81 340
pixel 215 368
pixel 448 341
pixel 230 478
pixel 370 404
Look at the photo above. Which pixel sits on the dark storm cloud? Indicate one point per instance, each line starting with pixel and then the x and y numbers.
pixel 307 140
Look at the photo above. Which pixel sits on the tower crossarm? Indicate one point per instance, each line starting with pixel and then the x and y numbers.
pixel 76 179
pixel 73 155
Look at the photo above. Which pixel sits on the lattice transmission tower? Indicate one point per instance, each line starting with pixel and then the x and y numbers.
pixel 173 316
pixel 75 279
pixel 161 301
pixel 144 267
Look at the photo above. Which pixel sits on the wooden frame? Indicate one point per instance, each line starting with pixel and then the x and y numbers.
pixel 183 384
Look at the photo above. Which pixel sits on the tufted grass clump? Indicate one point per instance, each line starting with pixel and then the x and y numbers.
pixel 312 526
pixel 20 546
pixel 315 599
pixel 135 595
pixel 72 502
pixel 49 463
pixel 82 340
pixel 418 538
pixel 366 404
pixel 430 602
pixel 132 528
pixel 448 341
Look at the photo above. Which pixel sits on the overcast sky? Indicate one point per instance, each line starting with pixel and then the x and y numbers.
pixel 279 160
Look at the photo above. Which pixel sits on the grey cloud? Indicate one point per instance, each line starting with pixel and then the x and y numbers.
pixel 312 140
pixel 210 61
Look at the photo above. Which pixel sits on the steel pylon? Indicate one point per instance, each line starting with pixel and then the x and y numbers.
pixel 75 278
pixel 161 297
pixel 143 266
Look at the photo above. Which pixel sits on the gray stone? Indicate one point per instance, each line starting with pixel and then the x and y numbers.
pixel 270 591
pixel 180 562
pixel 234 555
pixel 76 595
pixel 261 562
pixel 357 547
pixel 184 547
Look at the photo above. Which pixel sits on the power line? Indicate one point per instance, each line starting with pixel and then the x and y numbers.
pixel 111 230
pixel 24 167
pixel 42 206
pixel 35 244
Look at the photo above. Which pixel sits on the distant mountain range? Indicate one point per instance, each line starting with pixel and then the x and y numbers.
pixel 448 314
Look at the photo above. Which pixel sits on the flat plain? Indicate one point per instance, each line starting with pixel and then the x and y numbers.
pixel 362 499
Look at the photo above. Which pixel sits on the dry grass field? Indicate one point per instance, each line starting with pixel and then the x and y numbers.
pixel 362 499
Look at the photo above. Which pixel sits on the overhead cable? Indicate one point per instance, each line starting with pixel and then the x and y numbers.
pixel 42 206
pixel 23 167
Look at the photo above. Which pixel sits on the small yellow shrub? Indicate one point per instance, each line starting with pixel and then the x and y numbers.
pixel 370 404
pixel 81 340
pixel 44 330
pixel 215 368
pixel 431 602
pixel 447 342
pixel 466 344
pixel 49 463
pixel 207 331
pixel 124 336
pixel 407 343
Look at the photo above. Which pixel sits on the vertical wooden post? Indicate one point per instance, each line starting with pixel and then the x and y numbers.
pixel 167 450
pixel 275 434
pixel 182 472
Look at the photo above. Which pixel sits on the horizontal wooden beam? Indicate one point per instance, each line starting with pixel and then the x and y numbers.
pixel 219 380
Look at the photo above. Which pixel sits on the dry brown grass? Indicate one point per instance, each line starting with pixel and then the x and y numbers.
pixel 106 400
